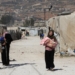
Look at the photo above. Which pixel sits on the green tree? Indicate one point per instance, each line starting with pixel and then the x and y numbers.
pixel 32 21
pixel 29 22
pixel 26 23
pixel 7 19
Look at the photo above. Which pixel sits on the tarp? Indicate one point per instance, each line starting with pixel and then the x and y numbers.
pixel 65 27
pixel 33 32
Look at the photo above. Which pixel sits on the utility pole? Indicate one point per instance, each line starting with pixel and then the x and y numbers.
pixel 45 16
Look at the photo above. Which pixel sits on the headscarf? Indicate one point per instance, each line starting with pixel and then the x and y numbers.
pixel 52 36
pixel 4 34
pixel 8 38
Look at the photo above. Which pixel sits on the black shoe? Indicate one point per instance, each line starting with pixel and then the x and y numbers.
pixel 48 69
pixel 51 69
pixel 6 64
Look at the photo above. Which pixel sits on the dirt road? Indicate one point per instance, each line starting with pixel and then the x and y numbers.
pixel 28 58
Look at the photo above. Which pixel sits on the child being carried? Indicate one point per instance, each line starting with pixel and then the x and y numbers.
pixel 48 42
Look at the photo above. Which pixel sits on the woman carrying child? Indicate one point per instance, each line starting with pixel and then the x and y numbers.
pixel 49 51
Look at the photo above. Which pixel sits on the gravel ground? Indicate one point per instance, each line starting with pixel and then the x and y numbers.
pixel 28 58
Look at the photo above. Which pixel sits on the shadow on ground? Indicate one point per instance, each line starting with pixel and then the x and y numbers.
pixel 16 65
pixel 57 69
pixel 13 60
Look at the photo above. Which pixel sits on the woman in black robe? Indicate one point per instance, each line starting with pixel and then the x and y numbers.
pixel 6 49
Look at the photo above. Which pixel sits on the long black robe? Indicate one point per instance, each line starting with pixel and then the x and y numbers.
pixel 5 51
